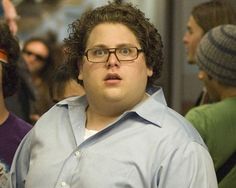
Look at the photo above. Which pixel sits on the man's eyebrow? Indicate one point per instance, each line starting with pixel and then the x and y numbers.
pixel 99 46
pixel 126 45
pixel 117 46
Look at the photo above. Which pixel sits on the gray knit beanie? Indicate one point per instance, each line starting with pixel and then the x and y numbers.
pixel 216 54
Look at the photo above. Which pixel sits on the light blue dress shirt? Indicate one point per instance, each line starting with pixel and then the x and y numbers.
pixel 150 146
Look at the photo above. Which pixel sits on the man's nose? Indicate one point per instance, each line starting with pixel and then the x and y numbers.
pixel 185 38
pixel 112 59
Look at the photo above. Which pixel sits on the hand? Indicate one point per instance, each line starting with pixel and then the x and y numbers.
pixel 3 176
pixel 2 170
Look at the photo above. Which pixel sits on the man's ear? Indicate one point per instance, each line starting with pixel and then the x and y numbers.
pixel 80 67
pixel 80 76
pixel 149 72
pixel 202 75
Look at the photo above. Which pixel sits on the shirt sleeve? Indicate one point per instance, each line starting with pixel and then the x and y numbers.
pixel 20 164
pixel 187 167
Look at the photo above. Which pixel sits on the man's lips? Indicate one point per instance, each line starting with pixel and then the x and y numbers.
pixel 112 76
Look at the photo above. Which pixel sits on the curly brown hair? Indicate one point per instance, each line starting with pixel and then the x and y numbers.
pixel 115 12
pixel 9 44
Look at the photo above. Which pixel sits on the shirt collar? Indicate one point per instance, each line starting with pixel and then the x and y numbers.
pixel 152 109
pixel 73 101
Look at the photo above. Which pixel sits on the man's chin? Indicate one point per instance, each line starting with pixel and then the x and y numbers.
pixel 191 61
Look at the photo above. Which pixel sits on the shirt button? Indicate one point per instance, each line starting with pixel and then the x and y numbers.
pixel 77 154
pixel 64 184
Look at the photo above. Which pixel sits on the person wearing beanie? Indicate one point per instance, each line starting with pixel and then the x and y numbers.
pixel 216 59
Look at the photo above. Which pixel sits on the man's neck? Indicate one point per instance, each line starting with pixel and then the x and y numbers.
pixel 100 115
pixel 228 92
pixel 96 121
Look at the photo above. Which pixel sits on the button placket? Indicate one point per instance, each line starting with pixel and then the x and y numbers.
pixel 71 163
pixel 77 153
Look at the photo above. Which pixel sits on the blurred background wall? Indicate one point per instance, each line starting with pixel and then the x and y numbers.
pixel 179 80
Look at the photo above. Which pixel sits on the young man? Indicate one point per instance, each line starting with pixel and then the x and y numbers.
pixel 204 17
pixel 12 128
pixel 216 58
pixel 116 135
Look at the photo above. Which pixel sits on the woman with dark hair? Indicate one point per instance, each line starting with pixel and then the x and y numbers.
pixel 38 57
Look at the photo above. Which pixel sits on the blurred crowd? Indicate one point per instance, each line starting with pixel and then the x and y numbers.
pixel 40 58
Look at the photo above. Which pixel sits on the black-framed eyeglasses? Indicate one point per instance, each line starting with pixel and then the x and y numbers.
pixel 123 54
pixel 37 56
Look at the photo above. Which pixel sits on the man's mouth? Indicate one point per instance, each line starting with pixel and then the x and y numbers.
pixel 112 77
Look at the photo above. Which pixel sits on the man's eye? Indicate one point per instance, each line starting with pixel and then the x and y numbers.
pixel 125 51
pixel 99 52
pixel 190 31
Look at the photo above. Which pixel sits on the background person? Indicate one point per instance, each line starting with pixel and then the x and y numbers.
pixel 204 17
pixel 64 84
pixel 10 15
pixel 12 128
pixel 39 59
pixel 216 58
